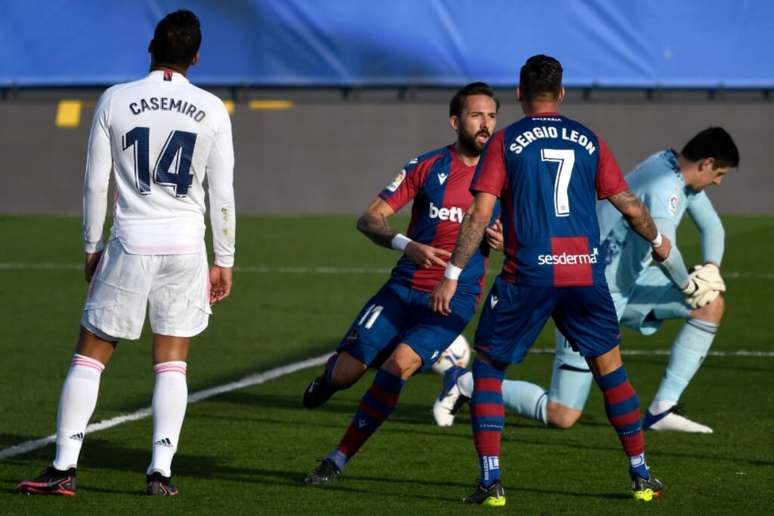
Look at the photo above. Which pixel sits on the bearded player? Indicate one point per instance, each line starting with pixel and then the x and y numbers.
pixel 396 330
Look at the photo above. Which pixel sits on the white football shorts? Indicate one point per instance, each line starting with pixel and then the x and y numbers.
pixel 174 287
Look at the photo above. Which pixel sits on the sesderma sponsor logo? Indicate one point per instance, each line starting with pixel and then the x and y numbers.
pixel 569 259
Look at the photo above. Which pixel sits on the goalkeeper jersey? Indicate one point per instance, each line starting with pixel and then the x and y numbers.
pixel 659 183
pixel 161 136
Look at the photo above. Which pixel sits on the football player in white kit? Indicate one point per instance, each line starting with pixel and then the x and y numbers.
pixel 161 136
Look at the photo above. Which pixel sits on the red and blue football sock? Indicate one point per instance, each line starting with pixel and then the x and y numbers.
pixel 623 412
pixel 488 418
pixel 376 405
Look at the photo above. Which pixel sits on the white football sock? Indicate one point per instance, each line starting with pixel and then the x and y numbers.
pixel 170 398
pixel 76 405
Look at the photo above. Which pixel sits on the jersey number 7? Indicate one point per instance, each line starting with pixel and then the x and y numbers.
pixel 173 166
pixel 566 160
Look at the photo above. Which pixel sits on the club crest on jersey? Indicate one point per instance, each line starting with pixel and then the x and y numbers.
pixel 674 202
pixel 442 177
pixel 493 301
pixel 397 181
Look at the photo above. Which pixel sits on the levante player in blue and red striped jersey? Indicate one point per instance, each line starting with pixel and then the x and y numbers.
pixel 397 330
pixel 548 172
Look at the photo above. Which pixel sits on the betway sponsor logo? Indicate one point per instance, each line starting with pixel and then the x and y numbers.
pixel 569 259
pixel 454 214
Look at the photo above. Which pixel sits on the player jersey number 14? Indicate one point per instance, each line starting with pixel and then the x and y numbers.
pixel 175 155
pixel 565 158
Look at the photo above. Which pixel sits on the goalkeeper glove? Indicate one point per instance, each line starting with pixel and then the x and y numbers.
pixel 704 285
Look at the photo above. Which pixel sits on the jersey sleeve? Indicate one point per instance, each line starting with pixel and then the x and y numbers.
pixel 99 163
pixel 674 265
pixel 610 180
pixel 405 186
pixel 711 232
pixel 220 178
pixel 664 197
pixel 490 172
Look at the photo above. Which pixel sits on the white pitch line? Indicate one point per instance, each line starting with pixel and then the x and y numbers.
pixel 269 269
pixel 271 374
pixel 254 379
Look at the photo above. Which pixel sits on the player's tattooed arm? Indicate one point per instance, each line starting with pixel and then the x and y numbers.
pixel 638 217
pixel 469 238
pixel 473 227
pixel 373 223
pixel 636 213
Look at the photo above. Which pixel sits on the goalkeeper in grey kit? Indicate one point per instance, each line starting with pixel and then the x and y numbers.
pixel 670 184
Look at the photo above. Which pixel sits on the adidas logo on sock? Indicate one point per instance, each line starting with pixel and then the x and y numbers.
pixel 77 437
pixel 163 442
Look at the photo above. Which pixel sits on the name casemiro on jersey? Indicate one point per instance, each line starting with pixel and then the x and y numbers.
pixel 167 104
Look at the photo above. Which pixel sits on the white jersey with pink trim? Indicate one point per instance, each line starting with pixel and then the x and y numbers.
pixel 161 136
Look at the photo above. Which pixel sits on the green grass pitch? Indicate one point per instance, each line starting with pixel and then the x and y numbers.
pixel 247 451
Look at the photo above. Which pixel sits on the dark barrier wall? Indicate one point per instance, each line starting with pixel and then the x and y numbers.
pixel 335 157
pixel 610 43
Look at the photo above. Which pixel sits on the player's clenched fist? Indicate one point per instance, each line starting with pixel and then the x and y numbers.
pixel 661 251
pixel 442 295
pixel 220 283
pixel 90 265
pixel 494 236
pixel 426 256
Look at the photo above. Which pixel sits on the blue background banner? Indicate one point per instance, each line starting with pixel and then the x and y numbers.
pixel 603 43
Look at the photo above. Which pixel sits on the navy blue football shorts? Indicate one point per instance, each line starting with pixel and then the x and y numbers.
pixel 514 315
pixel 398 313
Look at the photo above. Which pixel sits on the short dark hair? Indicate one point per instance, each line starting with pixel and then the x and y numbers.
pixel 540 76
pixel 177 38
pixel 474 88
pixel 712 142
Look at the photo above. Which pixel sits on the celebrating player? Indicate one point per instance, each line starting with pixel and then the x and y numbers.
pixel 396 330
pixel 548 171
pixel 669 184
pixel 156 255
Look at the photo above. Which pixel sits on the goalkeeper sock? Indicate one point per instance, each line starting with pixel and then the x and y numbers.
pixel 688 352
pixel 525 399
pixel 376 405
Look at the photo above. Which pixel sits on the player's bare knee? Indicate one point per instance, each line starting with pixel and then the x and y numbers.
pixel 93 346
pixel 347 370
pixel 711 312
pixel 562 417
pixel 403 362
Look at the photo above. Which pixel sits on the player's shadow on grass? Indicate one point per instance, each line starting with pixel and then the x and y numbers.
pixel 8 440
pixel 614 446
pixel 409 413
